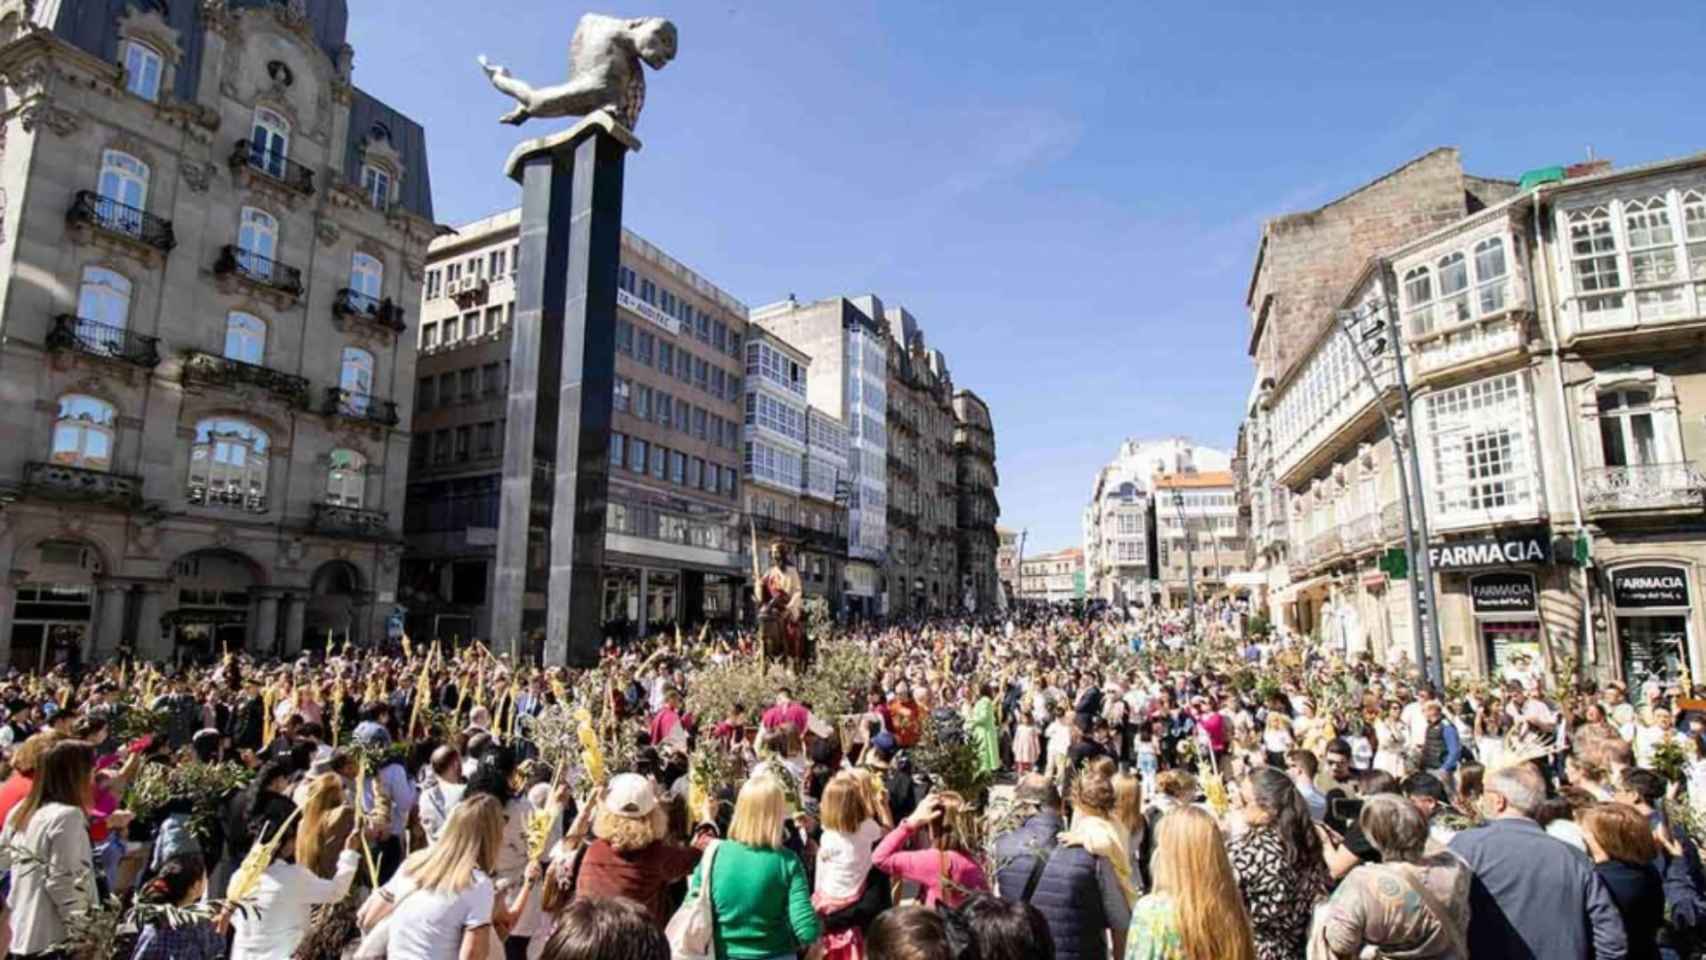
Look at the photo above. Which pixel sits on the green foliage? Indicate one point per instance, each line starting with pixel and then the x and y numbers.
pixel 1258 626
pixel 1669 761
pixel 948 756
pixel 205 785
pixel 136 720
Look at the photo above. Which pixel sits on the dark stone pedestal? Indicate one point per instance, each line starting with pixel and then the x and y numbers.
pixel 556 474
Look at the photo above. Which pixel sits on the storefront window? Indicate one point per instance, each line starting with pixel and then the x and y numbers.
pixel 1652 610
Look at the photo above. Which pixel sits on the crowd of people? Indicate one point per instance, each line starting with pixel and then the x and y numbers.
pixel 1143 785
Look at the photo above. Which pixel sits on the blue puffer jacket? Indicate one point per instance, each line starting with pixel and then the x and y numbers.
pixel 1066 893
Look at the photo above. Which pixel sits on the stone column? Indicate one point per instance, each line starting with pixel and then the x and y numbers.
pixel 150 643
pixel 8 599
pixel 264 640
pixel 109 620
pixel 295 611
pixel 644 627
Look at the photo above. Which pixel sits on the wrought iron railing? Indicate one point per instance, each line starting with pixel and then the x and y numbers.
pixel 1649 486
pixel 336 518
pixel 210 368
pixel 103 340
pixel 359 406
pixel 258 269
pixel 274 165
pixel 57 481
pixel 1364 531
pixel 226 494
pixel 110 215
pixel 352 303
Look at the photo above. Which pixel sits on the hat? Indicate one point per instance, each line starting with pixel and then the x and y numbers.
pixel 323 761
pixel 370 734
pixel 630 795
pixel 885 742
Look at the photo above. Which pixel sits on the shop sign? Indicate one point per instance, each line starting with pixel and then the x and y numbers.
pixel 1502 593
pixel 1526 546
pixel 1649 587
pixel 644 309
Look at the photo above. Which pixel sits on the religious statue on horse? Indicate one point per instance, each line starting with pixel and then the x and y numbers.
pixel 781 611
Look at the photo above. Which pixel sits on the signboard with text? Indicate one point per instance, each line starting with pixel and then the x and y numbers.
pixel 1642 587
pixel 657 317
pixel 1502 593
pixel 1525 546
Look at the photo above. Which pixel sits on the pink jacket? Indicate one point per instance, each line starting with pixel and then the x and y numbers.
pixel 924 867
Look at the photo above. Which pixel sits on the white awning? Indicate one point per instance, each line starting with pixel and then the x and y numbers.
pixel 1291 591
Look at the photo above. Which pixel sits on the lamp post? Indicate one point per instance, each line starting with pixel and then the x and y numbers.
pixel 1190 562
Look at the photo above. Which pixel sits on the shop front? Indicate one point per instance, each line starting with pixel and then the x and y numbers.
pixel 1506 609
pixel 1492 589
pixel 1652 606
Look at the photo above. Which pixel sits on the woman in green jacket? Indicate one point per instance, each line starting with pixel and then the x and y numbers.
pixel 759 893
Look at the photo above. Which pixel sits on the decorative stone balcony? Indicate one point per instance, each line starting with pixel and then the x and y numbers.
pixel 225 495
pixel 90 209
pixel 1643 488
pixel 215 370
pixel 1362 533
pixel 55 481
pixel 359 406
pixel 251 156
pixel 108 342
pixel 264 272
pixel 353 305
pixel 339 520
pixel 1326 546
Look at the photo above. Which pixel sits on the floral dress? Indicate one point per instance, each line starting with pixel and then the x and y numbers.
pixel 1281 899
pixel 1154 930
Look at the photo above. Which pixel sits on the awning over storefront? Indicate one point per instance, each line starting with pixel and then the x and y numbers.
pixel 1292 592
pixel 1247 579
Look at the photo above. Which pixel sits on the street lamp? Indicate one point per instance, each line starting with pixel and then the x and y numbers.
pixel 1190 562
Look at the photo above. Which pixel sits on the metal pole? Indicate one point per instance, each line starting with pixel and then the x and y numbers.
pixel 1345 319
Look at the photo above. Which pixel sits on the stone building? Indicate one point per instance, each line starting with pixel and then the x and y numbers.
pixel 978 508
pixel 207 238
pixel 923 562
pixel 675 544
pixel 1008 544
pixel 1199 542
pixel 1056 577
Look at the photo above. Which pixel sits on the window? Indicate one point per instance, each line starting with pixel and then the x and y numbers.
pixel 616 452
pixel 1626 428
pixel 429 336
pixel 637 450
pixel 434 284
pixel 683 365
pixel 1481 443
pixel 703 328
pixel 720 336
pixel 464 443
pixel 625 278
pixel 376 186
pixel 355 379
pixel 624 337
pixel 446 389
pixel 499 264
pixel 452 330
pixel 257 242
pixel 642 401
pixel 228 465
pixel 696 473
pixel 717 381
pixel 1490 275
pixel 143 69
pixel 1694 229
pixel 665 408
pixel 83 433
pixel 701 374
pixel 491 376
pixel 486 438
pixel 659 462
pixel 1453 290
pixel 269 144
pixel 124 191
pixel 677 467
pixel 1652 255
pixel 245 338
pixel 1489 460
pixel 619 399
pixel 699 422
pixel 683 415
pixel 666 302
pixel 514 258
pixel 470 382
pixel 1418 301
pixel 494 319
pixel 367 277
pixel 1593 259
pixel 666 353
pixel 441 446
pixel 424 393
pixel 453 273
pixel 346 479
pixel 104 297
pixel 643 348
pixel 648 291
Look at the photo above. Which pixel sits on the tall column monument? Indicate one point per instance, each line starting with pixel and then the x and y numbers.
pixel 556 471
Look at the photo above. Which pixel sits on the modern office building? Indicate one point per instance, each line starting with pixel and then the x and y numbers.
pixel 208 238
pixel 675 544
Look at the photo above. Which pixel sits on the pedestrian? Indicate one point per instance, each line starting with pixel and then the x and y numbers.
pixel 1279 864
pixel 761 898
pixel 606 928
pixel 440 905
pixel 45 844
pixel 1196 911
pixel 1621 845
pixel 1427 919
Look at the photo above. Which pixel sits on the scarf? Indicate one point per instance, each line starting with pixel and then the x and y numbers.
pixel 1102 838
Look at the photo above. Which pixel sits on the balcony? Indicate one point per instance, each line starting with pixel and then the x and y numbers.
pixel 256 269
pixel 215 370
pixel 1471 344
pixel 902 422
pixel 225 494
pixel 54 481
pixel 351 304
pixel 1362 533
pixel 1327 546
pixel 273 166
pixel 109 216
pixel 338 520
pixel 365 407
pixel 901 520
pixel 1643 488
pixel 103 340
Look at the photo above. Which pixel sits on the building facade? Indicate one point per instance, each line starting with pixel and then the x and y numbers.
pixel 1056 577
pixel 923 561
pixel 977 508
pixel 207 236
pixel 1009 543
pixel 676 544
pixel 1198 533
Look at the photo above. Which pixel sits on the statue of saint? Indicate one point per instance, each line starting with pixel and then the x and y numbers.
pixel 782 609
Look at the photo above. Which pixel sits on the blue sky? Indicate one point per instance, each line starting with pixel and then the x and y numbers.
pixel 1068 196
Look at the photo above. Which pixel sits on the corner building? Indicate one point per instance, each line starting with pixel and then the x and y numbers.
pixel 208 238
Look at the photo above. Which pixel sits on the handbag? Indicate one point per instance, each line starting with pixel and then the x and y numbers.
pixel 374 943
pixel 692 931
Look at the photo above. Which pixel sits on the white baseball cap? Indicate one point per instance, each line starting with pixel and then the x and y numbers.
pixel 630 795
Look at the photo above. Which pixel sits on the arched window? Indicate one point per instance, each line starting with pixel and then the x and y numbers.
pixel 367 278
pixel 142 69
pixel 245 338
pixel 124 191
pixel 269 145
pixel 1626 431
pixel 104 297
pixel 356 378
pixel 228 465
pixel 83 433
pixel 346 478
pixel 1418 301
pixel 1490 274
pixel 257 241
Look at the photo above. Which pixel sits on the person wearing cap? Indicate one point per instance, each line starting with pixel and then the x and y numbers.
pixel 392 780
pixel 632 856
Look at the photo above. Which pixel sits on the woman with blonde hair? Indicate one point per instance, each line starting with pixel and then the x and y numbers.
pixel 632 856
pixel 850 833
pixel 1196 911
pixel 440 903
pixel 947 870
pixel 759 895
pixel 325 825
pixel 1094 829
pixel 1127 814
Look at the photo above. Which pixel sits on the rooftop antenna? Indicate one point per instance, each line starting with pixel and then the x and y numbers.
pixel 1590 153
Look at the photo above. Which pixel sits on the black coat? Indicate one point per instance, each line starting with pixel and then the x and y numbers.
pixel 1639 893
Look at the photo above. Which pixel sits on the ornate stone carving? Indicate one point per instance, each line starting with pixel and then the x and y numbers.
pixel 605 58
pixel 57 119
pixel 415 267
pixel 327 231
pixel 197 176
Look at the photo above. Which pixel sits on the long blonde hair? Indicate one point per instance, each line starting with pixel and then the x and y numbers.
pixel 1190 866
pixel 1128 803
pixel 325 796
pixel 470 841
pixel 759 812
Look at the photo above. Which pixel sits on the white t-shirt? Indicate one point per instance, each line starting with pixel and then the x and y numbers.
pixel 844 860
pixel 429 926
